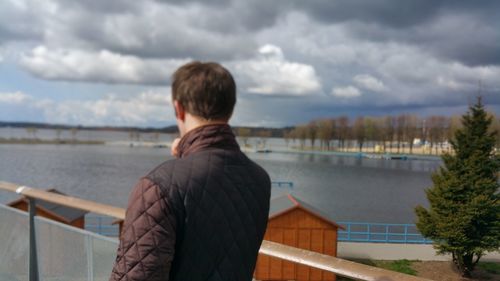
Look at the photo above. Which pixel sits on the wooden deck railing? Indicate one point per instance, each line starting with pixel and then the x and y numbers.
pixel 335 265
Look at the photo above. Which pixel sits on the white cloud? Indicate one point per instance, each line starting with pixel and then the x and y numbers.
pixel 148 29
pixel 14 98
pixel 369 82
pixel 272 52
pixel 271 74
pixel 144 108
pixel 138 110
pixel 365 63
pixel 102 66
pixel 346 92
pixel 268 73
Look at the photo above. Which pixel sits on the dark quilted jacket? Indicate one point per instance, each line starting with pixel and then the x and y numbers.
pixel 199 217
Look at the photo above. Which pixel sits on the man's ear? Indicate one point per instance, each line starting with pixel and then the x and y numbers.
pixel 180 113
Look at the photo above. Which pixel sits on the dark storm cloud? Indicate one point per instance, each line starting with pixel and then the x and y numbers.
pixel 294 60
pixel 394 14
pixel 466 31
pixel 188 2
pixel 160 29
pixel 18 24
pixel 398 14
pixel 8 34
pixel 105 7
pixel 172 40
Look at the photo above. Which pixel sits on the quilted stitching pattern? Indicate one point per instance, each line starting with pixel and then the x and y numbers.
pixel 148 239
pixel 201 217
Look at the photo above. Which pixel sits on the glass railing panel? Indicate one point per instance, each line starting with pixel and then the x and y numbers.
pixel 62 251
pixel 14 244
pixel 103 256
pixel 69 253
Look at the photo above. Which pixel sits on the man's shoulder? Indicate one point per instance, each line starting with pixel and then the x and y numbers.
pixel 183 172
pixel 164 174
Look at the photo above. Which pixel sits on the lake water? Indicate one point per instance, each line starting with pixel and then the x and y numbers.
pixel 349 188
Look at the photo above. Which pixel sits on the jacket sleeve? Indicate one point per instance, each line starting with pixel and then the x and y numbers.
pixel 147 241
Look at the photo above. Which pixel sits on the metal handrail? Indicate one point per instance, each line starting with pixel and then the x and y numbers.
pixel 313 259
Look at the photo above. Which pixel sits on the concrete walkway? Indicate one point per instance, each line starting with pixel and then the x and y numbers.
pixel 391 251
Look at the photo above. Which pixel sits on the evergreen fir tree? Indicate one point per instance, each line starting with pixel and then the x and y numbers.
pixel 464 214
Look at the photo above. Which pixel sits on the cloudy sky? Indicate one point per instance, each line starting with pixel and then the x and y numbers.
pixel 95 62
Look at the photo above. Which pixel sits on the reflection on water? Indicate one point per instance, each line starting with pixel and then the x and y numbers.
pixel 350 188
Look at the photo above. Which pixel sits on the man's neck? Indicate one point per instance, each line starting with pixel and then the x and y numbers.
pixel 193 122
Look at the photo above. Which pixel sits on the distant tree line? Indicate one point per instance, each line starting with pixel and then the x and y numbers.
pixel 397 134
pixel 34 125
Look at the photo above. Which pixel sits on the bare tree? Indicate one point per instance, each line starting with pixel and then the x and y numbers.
pixel 400 130
pixel 423 132
pixel 312 132
pixel 411 130
pixel 343 130
pixel 300 132
pixel 359 132
pixel 292 134
pixel 382 132
pixel 438 125
pixel 370 130
pixel 156 136
pixel 74 132
pixel 287 137
pixel 244 134
pixel 326 132
pixel 58 132
pixel 264 135
pixel 32 132
pixel 390 127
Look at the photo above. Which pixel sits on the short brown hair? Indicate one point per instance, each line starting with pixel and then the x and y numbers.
pixel 206 90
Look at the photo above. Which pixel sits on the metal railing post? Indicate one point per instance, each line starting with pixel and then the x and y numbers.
pixel 368 231
pixel 90 258
pixel 99 221
pixel 386 233
pixel 349 232
pixel 33 274
pixel 406 233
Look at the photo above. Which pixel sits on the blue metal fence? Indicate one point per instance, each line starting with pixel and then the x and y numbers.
pixel 381 233
pixel 280 184
pixel 353 232
pixel 101 225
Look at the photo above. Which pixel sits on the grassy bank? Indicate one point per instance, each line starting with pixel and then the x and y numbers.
pixel 435 270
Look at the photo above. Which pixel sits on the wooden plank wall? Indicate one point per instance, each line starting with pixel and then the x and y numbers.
pixel 300 229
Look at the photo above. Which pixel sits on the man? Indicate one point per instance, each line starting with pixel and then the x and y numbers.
pixel 201 216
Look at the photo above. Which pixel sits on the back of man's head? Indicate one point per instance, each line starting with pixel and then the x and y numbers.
pixel 206 90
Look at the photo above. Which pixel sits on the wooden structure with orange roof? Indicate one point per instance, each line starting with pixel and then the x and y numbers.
pixel 298 224
pixel 59 213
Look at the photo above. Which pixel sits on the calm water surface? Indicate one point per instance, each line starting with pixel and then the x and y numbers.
pixel 351 189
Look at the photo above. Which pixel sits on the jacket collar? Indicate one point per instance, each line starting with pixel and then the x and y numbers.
pixel 215 135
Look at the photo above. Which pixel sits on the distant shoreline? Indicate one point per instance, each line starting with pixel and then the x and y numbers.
pixel 55 141
pixel 352 152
